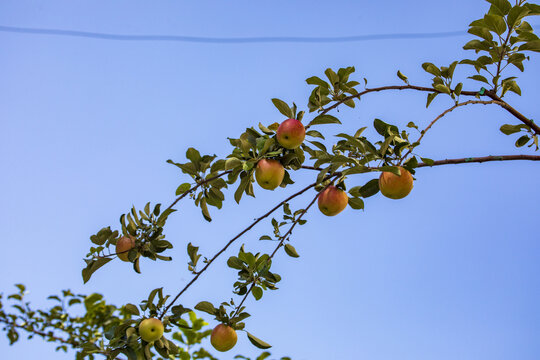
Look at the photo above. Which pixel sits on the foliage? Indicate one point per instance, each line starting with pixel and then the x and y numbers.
pixel 503 37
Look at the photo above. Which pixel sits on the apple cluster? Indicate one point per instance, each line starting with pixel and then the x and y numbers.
pixel 332 200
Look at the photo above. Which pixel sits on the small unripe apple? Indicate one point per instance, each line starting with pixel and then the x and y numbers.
pixel 223 338
pixel 151 329
pixel 291 134
pixel 332 201
pixel 123 245
pixel 269 173
pixel 396 187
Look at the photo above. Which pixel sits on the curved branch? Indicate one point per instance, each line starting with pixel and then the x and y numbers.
pixel 392 87
pixel 514 112
pixel 488 93
pixel 449 110
pixel 481 159
pixel 282 240
pixel 230 243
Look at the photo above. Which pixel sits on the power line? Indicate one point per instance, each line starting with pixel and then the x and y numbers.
pixel 229 40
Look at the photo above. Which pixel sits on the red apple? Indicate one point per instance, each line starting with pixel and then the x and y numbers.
pixel 223 338
pixel 396 187
pixel 332 201
pixel 291 134
pixel 123 245
pixel 269 173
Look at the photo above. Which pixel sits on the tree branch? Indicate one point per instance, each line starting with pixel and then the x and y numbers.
pixel 514 112
pixel 482 159
pixel 199 184
pixel 392 87
pixel 442 115
pixel 487 93
pixel 282 239
pixel 230 243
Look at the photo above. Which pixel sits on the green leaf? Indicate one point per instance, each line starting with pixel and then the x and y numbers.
pixel 479 78
pixel 516 14
pixel 430 98
pixel 534 9
pixel 235 263
pixel 332 76
pixel 533 45
pixel 206 307
pixel 481 32
pixel 442 88
pixel 242 187
pixel 495 23
pixel 283 108
pixel 193 155
pixel 183 188
pixel 402 77
pixel 503 6
pixel 163 217
pixel 457 89
pixel 258 342
pixel 508 129
pixel 356 203
pixel 522 141
pixel 370 188
pixel 383 128
pixel 132 309
pixel 257 293
pixel 427 161
pixel 204 210
pixel 291 251
pixel 314 133
pixel 432 69
pixel 92 267
pixel 324 119
pixel 314 80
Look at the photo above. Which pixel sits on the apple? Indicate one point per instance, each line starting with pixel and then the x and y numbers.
pixel 291 134
pixel 396 187
pixel 151 329
pixel 223 338
pixel 269 173
pixel 123 245
pixel 332 201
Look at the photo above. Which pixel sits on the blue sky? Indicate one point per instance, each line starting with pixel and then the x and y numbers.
pixel 86 125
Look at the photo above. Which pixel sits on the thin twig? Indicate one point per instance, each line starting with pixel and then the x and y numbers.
pixel 281 241
pixel 449 110
pixel 487 93
pixel 481 159
pixel 230 242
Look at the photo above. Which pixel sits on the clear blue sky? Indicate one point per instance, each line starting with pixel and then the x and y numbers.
pixel 450 272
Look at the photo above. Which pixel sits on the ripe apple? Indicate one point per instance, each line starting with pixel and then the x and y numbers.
pixel 151 329
pixel 396 187
pixel 332 201
pixel 269 173
pixel 223 338
pixel 291 134
pixel 123 245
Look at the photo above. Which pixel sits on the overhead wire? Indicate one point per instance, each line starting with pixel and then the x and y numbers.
pixel 228 40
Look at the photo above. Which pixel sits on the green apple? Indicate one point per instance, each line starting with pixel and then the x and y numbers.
pixel 151 329
pixel 332 201
pixel 123 245
pixel 396 187
pixel 223 338
pixel 291 133
pixel 269 173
